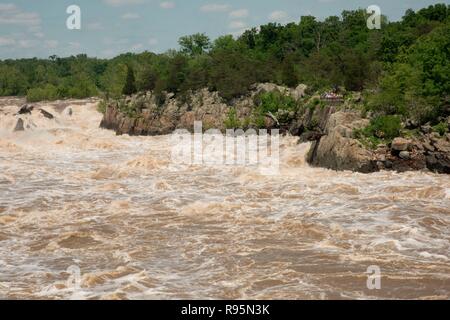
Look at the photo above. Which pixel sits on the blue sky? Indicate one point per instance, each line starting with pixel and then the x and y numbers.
pixel 30 28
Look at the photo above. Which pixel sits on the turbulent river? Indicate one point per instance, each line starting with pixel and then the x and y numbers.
pixel 86 214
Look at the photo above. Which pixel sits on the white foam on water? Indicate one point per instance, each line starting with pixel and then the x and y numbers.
pixel 74 194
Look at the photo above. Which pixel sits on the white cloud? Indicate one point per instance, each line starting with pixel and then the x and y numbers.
pixel 137 47
pixel 39 35
pixel 130 16
pixel 109 53
pixel 278 15
pixel 26 43
pixel 7 41
pixel 75 45
pixel 94 26
pixel 237 25
pixel 241 13
pixel 153 41
pixel 238 33
pixel 215 7
pixel 167 5
pixel 11 14
pixel 51 44
pixel 110 41
pixel 7 7
pixel 118 3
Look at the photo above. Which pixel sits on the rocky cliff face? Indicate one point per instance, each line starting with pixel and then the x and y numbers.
pixel 337 149
pixel 153 118
pixel 329 127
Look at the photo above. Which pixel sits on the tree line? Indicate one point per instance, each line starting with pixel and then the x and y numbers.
pixel 404 67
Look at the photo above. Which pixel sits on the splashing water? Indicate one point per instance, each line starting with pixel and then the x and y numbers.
pixel 72 194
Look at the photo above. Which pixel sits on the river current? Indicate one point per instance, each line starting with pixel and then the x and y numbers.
pixel 86 214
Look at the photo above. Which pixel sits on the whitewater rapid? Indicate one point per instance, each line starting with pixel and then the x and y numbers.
pixel 76 197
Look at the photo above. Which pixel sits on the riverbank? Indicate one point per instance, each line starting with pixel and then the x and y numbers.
pixel 332 127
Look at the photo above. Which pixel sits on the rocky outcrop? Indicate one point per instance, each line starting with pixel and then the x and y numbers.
pixel 155 119
pixel 148 114
pixel 329 127
pixel 438 153
pixel 338 150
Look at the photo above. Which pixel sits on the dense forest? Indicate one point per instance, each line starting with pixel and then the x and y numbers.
pixel 404 68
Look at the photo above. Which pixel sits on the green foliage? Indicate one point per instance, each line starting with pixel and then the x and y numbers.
pixel 418 83
pixel 380 129
pixel 406 63
pixel 273 104
pixel 130 83
pixel 441 128
pixel 195 44
pixel 102 105
pixel 48 92
pixel 274 101
pixel 232 121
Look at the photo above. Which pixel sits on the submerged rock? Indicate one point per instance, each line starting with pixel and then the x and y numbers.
pixel 25 109
pixel 47 114
pixel 19 125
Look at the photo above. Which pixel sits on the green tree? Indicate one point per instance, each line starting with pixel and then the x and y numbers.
pixel 130 83
pixel 195 44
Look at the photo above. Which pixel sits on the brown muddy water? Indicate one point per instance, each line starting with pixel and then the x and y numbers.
pixel 76 196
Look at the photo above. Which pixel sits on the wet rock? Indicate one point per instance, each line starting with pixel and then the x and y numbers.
pixel 311 136
pixel 19 126
pixel 47 114
pixel 400 144
pixel 381 165
pixel 438 162
pixel 405 155
pixel 25 109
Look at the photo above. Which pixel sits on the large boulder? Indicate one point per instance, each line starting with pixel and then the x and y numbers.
pixel 400 144
pixel 338 150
